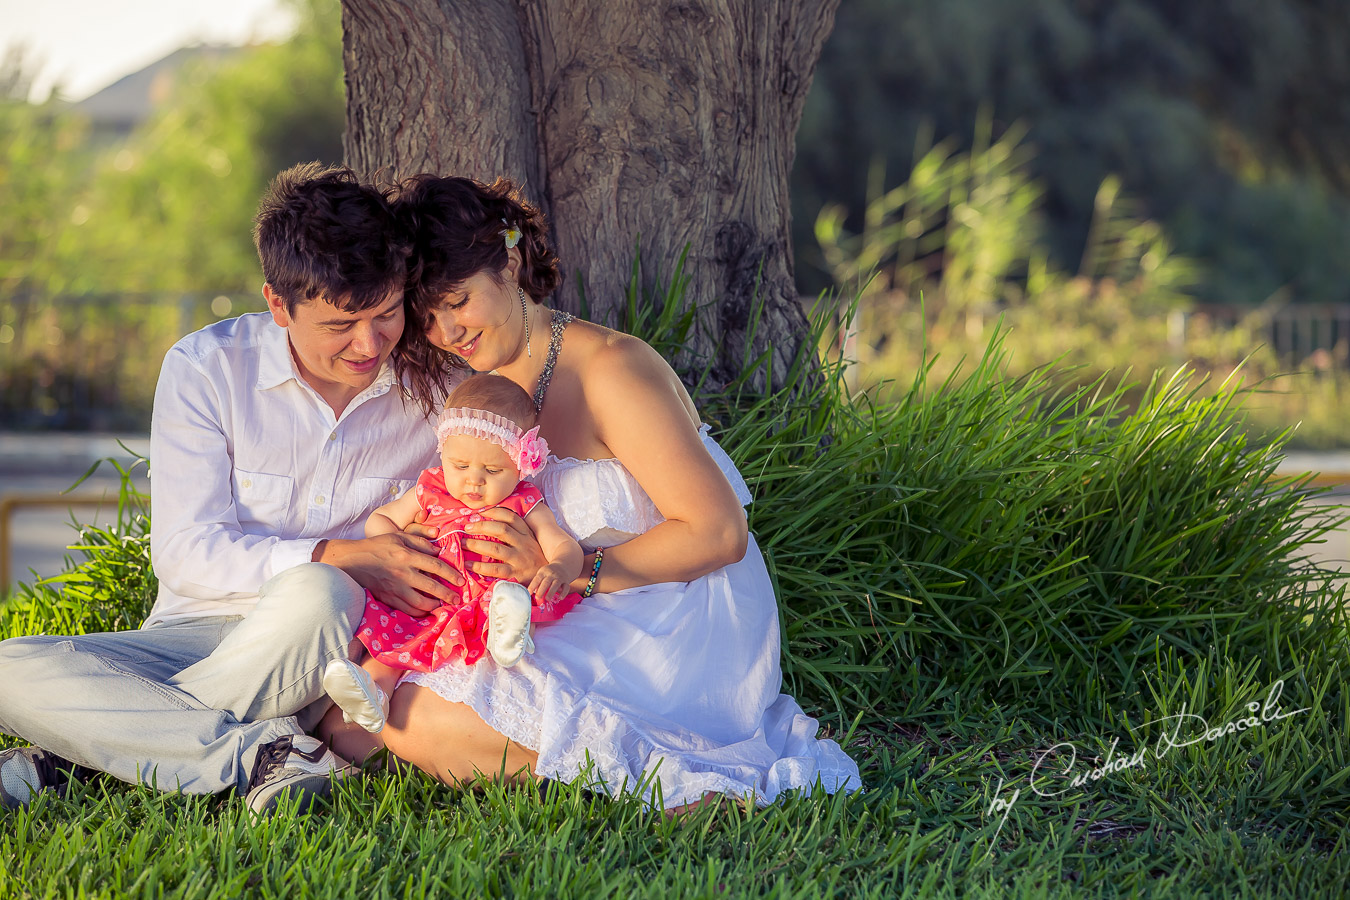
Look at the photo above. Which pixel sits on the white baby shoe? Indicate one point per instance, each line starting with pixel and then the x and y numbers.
pixel 356 694
pixel 509 626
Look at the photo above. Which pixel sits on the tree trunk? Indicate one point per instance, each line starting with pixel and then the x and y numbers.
pixel 668 123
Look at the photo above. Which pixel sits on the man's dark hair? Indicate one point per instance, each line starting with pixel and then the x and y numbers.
pixel 320 232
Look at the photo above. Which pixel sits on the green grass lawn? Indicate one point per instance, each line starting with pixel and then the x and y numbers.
pixel 1242 817
pixel 987 589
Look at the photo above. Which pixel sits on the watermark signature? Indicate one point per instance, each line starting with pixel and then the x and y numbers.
pixel 1195 729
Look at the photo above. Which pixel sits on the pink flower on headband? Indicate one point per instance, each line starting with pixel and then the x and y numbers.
pixel 533 452
pixel 528 451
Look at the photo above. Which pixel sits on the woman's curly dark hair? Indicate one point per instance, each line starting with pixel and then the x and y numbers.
pixel 458 227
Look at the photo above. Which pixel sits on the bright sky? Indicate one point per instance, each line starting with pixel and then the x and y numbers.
pixel 85 45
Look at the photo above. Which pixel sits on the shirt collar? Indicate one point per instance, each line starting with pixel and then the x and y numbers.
pixel 383 382
pixel 275 366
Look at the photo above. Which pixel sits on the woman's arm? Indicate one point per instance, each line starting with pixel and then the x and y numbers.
pixel 641 415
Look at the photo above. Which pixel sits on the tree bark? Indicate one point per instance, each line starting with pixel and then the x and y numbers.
pixel 668 123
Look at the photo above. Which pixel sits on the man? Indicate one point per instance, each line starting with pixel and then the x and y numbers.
pixel 273 436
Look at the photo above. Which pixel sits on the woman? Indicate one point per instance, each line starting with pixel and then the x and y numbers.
pixel 666 679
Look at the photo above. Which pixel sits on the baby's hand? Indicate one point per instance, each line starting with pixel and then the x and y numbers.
pixel 419 527
pixel 550 583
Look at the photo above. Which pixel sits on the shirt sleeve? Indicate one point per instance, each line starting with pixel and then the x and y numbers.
pixel 197 546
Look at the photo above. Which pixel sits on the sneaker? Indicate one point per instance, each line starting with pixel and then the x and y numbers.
pixel 509 626
pixel 297 764
pixel 356 694
pixel 26 770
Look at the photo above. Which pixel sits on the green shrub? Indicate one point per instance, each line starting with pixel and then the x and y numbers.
pixel 1025 543
pixel 961 244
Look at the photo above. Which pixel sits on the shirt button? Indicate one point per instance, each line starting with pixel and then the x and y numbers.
pixel 319 499
pixel 247 482
pixel 393 490
pixel 333 436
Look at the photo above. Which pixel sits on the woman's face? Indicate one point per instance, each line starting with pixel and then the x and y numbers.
pixel 479 320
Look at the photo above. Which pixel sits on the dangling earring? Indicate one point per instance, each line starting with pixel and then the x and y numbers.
pixel 525 314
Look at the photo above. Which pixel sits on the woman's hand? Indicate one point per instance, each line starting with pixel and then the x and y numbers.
pixel 518 556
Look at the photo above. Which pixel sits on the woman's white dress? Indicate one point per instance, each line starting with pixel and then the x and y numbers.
pixel 670 687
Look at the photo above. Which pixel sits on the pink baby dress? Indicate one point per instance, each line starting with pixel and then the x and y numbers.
pixel 454 630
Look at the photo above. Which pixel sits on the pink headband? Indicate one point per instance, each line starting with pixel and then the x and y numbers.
pixel 526 448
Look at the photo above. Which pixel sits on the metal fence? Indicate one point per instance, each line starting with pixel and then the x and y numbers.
pixel 90 363
pixel 1296 332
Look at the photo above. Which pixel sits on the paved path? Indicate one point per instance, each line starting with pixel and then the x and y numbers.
pixel 48 464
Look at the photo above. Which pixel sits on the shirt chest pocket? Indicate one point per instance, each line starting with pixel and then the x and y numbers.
pixel 263 499
pixel 368 493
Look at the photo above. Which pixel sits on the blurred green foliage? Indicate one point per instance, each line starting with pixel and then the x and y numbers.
pixel 1229 122
pixel 966 232
pixel 190 178
pixel 959 249
pixel 42 155
pixel 168 209
pixel 110 250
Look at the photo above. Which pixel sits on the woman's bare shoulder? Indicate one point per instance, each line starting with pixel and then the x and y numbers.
pixel 595 337
pixel 608 353
pixel 618 371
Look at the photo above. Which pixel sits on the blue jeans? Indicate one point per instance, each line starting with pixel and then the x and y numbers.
pixel 184 705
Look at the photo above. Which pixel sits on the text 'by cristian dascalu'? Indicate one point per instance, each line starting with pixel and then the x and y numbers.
pixel 1185 729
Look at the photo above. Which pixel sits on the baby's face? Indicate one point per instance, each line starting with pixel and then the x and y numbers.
pixel 478 473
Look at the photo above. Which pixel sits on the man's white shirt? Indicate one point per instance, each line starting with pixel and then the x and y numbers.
pixel 250 468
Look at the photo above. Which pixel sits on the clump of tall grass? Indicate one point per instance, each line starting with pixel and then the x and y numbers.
pixel 1022 542
pixel 110 588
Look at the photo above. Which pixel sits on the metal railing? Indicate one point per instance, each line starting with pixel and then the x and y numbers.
pixel 1295 331
pixel 12 502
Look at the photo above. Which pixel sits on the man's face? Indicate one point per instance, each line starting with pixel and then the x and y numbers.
pixel 338 353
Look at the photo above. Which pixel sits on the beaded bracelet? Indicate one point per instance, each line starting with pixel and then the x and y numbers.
pixel 595 572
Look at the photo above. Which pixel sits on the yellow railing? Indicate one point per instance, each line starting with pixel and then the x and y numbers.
pixel 11 502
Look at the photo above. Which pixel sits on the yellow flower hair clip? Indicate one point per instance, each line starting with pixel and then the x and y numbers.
pixel 512 234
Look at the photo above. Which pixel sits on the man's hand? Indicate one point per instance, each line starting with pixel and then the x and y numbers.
pixel 518 556
pixel 399 569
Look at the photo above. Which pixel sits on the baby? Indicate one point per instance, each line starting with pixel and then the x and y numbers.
pixel 485 450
